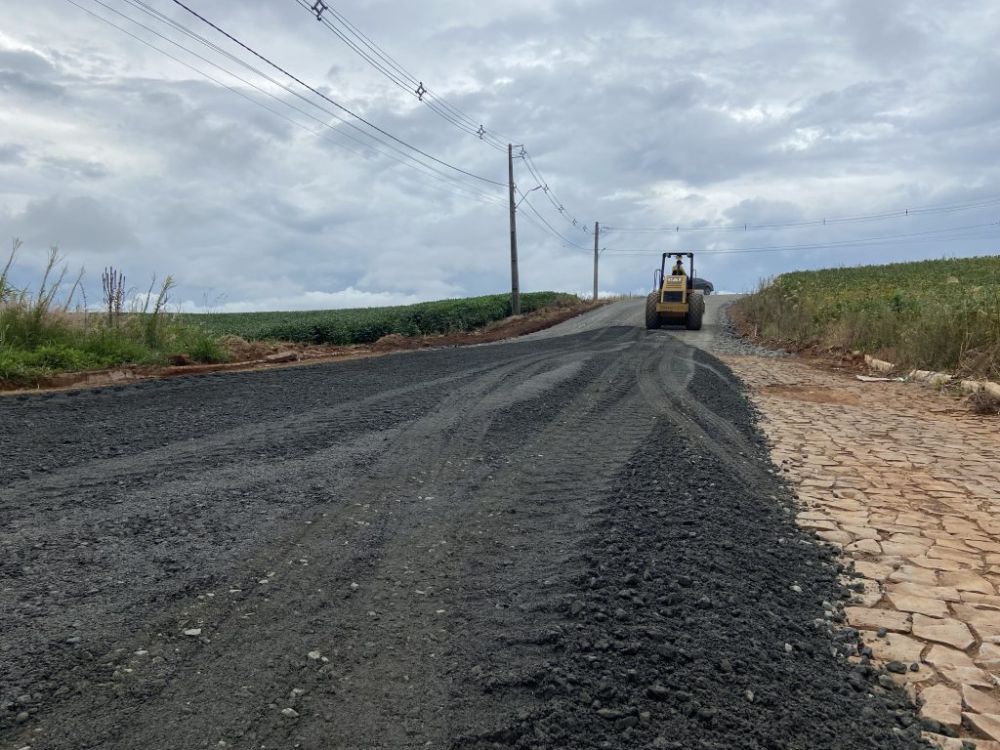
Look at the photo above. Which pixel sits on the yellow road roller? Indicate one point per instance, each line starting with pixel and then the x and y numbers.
pixel 673 300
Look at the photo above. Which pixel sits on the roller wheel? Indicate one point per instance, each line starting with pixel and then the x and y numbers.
pixel 696 311
pixel 652 317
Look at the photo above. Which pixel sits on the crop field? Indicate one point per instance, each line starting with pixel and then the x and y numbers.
pixel 937 314
pixel 362 326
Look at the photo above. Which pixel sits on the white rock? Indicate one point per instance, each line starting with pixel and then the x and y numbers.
pixel 193 632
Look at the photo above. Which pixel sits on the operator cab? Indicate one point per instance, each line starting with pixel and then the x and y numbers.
pixel 676 270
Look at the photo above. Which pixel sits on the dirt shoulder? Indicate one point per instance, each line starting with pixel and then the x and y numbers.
pixel 260 355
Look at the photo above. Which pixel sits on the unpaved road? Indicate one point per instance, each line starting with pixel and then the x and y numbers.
pixel 571 541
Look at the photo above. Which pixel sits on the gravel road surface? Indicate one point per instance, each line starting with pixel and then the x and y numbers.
pixel 570 541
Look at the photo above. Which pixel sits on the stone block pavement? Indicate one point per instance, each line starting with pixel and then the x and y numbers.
pixel 906 482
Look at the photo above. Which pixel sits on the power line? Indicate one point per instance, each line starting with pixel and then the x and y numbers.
pixel 338 105
pixel 547 230
pixel 970 231
pixel 556 203
pixel 736 227
pixel 411 86
pixel 428 170
pixel 551 229
pixel 388 66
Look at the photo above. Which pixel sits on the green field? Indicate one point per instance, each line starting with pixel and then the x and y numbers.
pixel 43 334
pixel 363 326
pixel 937 314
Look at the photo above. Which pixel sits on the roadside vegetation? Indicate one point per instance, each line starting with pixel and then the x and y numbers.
pixel 47 329
pixel 365 326
pixel 936 315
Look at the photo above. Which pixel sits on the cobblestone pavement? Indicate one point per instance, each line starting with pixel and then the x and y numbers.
pixel 907 483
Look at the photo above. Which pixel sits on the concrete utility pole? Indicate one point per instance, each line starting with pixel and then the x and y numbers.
pixel 515 291
pixel 597 239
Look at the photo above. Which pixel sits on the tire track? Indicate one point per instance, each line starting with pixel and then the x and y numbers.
pixel 426 550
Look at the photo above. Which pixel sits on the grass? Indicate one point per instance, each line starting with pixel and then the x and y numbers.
pixel 934 315
pixel 364 326
pixel 42 333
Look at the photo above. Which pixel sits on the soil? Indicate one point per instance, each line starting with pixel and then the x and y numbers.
pixel 572 542
pixel 812 394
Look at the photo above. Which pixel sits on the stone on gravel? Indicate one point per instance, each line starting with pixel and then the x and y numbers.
pixel 291 713
pixel 658 692
pixel 193 632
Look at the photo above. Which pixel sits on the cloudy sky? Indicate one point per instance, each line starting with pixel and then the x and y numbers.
pixel 640 114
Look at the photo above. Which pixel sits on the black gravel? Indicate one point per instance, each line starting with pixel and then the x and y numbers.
pixel 728 341
pixel 571 543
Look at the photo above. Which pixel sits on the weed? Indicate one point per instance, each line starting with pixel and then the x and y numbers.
pixel 39 336
pixel 113 285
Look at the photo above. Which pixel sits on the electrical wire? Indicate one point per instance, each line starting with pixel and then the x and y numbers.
pixel 530 218
pixel 901 213
pixel 413 88
pixel 970 231
pixel 335 103
pixel 556 203
pixel 388 66
pixel 551 229
pixel 141 5
pixel 449 181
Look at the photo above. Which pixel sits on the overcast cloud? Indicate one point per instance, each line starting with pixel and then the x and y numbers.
pixel 638 113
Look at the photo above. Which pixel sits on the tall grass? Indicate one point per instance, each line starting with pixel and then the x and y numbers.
pixel 938 315
pixel 42 333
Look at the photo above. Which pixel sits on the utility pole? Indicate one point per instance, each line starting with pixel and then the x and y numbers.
pixel 597 239
pixel 515 291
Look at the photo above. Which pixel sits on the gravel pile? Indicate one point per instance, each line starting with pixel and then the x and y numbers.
pixel 564 544
pixel 702 617
pixel 728 342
